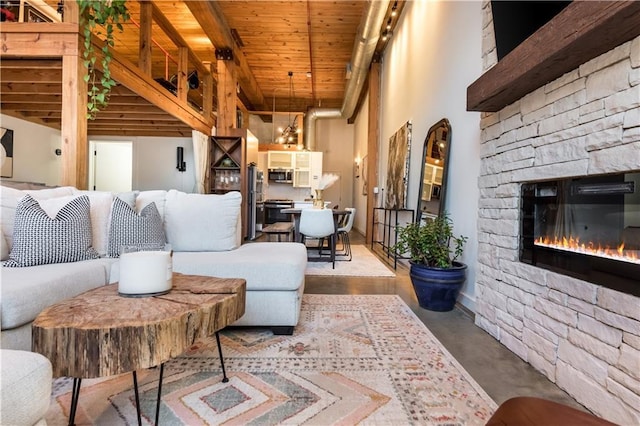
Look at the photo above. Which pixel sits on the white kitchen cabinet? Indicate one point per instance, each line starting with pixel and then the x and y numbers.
pixel 280 160
pixel 307 169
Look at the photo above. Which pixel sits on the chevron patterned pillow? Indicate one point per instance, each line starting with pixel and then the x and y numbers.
pixel 129 228
pixel 39 239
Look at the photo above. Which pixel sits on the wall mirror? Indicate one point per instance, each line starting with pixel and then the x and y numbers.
pixel 433 177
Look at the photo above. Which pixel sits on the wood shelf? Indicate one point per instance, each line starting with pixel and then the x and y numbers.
pixel 579 33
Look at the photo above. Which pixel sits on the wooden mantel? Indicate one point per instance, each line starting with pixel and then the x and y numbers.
pixel 579 33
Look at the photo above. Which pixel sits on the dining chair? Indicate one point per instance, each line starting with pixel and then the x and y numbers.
pixel 343 233
pixel 318 223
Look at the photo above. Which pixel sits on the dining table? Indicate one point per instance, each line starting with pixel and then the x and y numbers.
pixel 338 215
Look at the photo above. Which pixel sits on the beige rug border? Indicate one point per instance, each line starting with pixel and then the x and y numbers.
pixel 444 350
pixel 391 272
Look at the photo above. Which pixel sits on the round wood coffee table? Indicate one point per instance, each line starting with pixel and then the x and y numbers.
pixel 99 333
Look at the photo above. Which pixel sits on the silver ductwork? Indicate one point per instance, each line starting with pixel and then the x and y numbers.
pixel 363 50
pixel 310 124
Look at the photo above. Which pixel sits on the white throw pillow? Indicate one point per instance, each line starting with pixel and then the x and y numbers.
pixel 4 247
pixel 144 198
pixel 202 222
pixel 100 211
pixel 128 197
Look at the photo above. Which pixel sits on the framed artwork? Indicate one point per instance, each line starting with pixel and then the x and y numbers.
pixel 7 152
pixel 398 168
pixel 365 187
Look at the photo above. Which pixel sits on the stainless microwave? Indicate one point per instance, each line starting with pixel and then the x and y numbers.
pixel 281 175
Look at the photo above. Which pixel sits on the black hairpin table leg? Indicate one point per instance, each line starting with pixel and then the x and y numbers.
pixel 225 379
pixel 75 395
pixel 135 389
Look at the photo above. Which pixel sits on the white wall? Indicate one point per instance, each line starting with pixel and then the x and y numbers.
pixel 435 53
pixel 154 158
pixel 335 139
pixel 155 161
pixel 34 159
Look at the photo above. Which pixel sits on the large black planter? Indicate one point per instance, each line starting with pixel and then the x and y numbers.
pixel 436 288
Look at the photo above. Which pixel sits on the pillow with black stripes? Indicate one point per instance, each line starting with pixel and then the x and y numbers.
pixel 39 239
pixel 128 228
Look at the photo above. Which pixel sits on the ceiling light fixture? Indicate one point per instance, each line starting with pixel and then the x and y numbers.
pixel 394 9
pixel 290 133
pixel 389 24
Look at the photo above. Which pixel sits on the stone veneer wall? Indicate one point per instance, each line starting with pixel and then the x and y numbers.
pixel 583 337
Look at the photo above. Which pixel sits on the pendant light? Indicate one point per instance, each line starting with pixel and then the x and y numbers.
pixel 289 133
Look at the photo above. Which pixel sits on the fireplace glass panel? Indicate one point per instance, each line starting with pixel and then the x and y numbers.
pixel 588 228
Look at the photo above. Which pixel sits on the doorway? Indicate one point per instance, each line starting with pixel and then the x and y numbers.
pixel 111 166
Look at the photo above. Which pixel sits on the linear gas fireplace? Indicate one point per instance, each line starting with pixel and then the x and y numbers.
pixel 588 228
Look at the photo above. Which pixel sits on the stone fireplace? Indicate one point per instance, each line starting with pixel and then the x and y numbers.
pixel 581 127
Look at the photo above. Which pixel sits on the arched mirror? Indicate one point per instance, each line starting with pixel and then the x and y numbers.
pixel 433 177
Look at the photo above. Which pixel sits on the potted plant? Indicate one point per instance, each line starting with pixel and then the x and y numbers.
pixel 433 249
pixel 99 16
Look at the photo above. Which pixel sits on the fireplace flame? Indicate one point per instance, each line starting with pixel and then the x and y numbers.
pixel 573 244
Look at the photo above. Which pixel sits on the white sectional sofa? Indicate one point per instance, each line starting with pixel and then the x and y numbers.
pixel 203 230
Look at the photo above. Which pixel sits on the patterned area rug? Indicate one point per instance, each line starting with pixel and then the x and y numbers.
pixel 363 264
pixel 352 360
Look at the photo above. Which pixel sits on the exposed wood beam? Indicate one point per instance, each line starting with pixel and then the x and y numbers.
pixel 30 88
pixel 38 39
pixel 165 25
pixel 35 76
pixel 207 92
pixel 145 58
pixel 227 81
pixel 183 70
pixel 34 64
pixel 115 122
pixel 132 77
pixel 30 99
pixel 211 19
pixel 73 124
pixel 114 117
pixel 133 132
pixel 580 32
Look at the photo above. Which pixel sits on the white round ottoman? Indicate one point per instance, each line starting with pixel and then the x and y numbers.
pixel 25 384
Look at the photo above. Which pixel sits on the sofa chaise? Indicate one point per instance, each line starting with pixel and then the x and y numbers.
pixel 204 232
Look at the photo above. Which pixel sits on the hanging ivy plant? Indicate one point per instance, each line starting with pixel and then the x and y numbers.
pixel 99 17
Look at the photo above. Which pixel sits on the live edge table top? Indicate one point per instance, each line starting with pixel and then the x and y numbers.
pixel 99 333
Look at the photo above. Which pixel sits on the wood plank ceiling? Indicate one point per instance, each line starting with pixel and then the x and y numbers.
pixel 312 38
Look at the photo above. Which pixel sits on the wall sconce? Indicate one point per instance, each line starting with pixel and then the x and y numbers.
pixel 182 165
pixel 357 161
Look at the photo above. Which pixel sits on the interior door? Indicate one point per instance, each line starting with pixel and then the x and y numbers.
pixel 111 166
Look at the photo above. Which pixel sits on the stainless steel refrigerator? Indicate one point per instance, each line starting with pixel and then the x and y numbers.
pixel 255 203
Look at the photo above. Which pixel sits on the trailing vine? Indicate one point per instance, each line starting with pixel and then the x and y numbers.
pixel 99 17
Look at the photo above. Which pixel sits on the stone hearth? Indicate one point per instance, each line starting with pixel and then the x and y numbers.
pixel 582 336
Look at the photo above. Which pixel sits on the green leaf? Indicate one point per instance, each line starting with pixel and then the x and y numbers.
pixel 98 18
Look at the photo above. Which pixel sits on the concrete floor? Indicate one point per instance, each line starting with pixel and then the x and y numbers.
pixel 500 372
